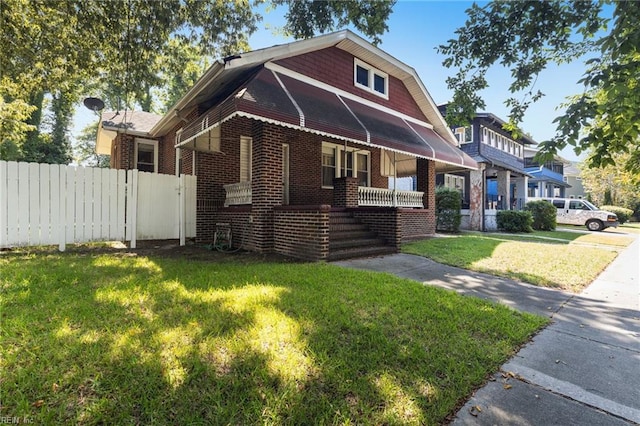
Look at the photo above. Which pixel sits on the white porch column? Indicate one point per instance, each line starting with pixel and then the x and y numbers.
pixel 522 183
pixel 504 184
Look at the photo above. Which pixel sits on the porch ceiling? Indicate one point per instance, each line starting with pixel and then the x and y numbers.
pixel 277 97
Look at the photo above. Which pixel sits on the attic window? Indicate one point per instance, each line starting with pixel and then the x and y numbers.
pixel 370 79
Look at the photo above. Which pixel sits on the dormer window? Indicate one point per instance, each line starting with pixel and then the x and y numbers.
pixel 370 79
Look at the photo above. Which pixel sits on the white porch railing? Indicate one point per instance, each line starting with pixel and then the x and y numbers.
pixel 381 197
pixel 237 194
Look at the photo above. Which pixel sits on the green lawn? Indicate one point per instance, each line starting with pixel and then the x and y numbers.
pixel 122 339
pixel 565 260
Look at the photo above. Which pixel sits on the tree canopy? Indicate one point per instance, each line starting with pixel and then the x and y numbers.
pixel 130 52
pixel 527 36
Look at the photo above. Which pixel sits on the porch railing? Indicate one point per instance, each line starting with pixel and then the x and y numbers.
pixel 237 194
pixel 381 197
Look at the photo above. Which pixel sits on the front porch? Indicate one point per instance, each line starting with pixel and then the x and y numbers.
pixel 362 221
pixel 238 194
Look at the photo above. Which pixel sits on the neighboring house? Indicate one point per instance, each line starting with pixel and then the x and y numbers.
pixel 573 178
pixel 294 147
pixel 500 182
pixel 547 180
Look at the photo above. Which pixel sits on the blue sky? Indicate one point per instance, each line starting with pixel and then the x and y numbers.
pixel 416 28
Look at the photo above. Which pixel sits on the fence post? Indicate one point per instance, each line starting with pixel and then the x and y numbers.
pixel 132 206
pixel 182 200
pixel 62 200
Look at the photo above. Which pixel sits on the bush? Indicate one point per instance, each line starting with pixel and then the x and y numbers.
pixel 514 221
pixel 623 214
pixel 448 203
pixel 544 215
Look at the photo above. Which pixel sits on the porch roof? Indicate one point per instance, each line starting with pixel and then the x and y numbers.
pixel 279 96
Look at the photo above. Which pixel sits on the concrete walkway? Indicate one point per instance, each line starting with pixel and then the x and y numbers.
pixel 583 369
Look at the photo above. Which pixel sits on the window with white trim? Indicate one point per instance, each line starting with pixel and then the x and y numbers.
pixel 245 159
pixel 454 182
pixel 146 155
pixel 370 79
pixel 352 163
pixel 463 134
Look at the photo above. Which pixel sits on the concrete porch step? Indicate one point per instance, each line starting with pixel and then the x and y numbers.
pixel 355 243
pixel 351 234
pixel 350 253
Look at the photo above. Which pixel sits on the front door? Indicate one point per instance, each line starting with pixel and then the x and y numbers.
pixel 285 174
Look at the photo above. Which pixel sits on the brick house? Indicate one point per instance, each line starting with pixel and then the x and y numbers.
pixel 501 180
pixel 295 146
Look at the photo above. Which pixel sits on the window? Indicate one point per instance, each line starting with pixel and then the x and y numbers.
pixel 245 159
pixel 335 161
pixel 146 155
pixel 370 79
pixel 362 170
pixel 328 165
pixel 463 134
pixel 454 182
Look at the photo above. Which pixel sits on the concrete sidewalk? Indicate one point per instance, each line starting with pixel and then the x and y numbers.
pixel 583 369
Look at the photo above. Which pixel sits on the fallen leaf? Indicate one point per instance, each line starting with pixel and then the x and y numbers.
pixel 39 403
pixel 475 410
pixel 506 386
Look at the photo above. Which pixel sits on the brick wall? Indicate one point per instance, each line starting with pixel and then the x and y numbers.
pixel 239 219
pixel 334 66
pixel 416 223
pixel 302 231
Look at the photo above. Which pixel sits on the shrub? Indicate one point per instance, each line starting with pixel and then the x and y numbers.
pixel 448 203
pixel 544 215
pixel 514 221
pixel 623 214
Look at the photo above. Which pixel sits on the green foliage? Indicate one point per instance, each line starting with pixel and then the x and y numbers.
pixel 623 214
pixel 544 215
pixel 306 18
pixel 612 184
pixel 448 204
pixel 528 36
pixel 84 148
pixel 125 51
pixel 514 221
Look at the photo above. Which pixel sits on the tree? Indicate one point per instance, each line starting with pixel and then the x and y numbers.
pixel 84 148
pixel 527 36
pixel 52 48
pixel 612 184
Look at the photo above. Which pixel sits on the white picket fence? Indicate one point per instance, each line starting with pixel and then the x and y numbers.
pixel 45 204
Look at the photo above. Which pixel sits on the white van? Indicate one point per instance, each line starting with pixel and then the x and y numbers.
pixel 571 211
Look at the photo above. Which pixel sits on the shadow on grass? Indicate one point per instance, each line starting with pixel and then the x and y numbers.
pixel 104 339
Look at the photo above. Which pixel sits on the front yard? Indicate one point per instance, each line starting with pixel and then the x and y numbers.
pixel 118 338
pixel 562 259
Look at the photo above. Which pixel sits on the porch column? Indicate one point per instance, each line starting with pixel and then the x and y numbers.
pixel 266 183
pixel 345 192
pixel 541 191
pixel 426 183
pixel 476 194
pixel 522 183
pixel 504 185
